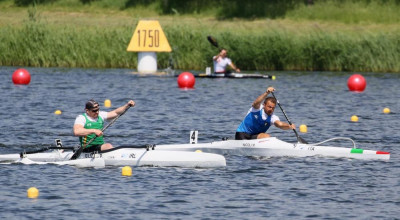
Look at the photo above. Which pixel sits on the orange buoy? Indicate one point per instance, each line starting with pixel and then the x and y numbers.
pixel 356 83
pixel 21 76
pixel 186 80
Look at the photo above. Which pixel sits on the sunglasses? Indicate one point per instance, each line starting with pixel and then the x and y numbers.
pixel 95 110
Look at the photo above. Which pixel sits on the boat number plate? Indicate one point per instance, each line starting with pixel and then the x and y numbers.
pixel 248 145
pixel 93 155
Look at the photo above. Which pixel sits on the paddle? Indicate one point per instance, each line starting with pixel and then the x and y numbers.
pixel 213 42
pixel 299 139
pixel 80 149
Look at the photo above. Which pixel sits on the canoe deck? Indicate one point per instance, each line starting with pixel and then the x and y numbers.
pixel 128 157
pixel 273 147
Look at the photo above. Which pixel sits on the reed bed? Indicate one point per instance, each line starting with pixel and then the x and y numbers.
pixel 40 45
pixel 329 35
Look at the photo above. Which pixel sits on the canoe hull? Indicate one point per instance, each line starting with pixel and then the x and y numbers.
pixel 131 157
pixel 273 147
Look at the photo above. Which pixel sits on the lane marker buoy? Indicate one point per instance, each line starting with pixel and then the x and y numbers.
pixel 32 193
pixel 126 171
pixel 107 103
pixel 386 110
pixel 303 128
pixel 186 80
pixel 21 76
pixel 356 83
pixel 354 118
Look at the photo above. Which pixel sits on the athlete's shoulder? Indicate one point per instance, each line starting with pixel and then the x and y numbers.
pixel 103 115
pixel 274 118
pixel 252 109
pixel 80 119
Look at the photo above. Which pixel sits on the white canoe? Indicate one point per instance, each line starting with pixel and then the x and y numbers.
pixel 125 157
pixel 272 147
pixel 81 163
pixel 235 75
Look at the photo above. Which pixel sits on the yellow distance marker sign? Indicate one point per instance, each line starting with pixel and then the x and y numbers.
pixel 149 37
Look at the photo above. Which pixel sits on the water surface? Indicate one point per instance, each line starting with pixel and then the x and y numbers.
pixel 248 188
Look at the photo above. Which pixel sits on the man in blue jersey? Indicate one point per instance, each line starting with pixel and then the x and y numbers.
pixel 90 124
pixel 259 118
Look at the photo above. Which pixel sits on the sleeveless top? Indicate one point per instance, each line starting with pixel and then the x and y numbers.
pixel 92 125
pixel 254 123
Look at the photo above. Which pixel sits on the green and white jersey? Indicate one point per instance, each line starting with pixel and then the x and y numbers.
pixel 91 123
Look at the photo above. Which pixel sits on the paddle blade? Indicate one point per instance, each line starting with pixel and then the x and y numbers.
pixel 213 41
pixel 77 154
pixel 301 140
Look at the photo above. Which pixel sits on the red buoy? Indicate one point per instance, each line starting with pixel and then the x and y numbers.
pixel 186 80
pixel 356 83
pixel 21 76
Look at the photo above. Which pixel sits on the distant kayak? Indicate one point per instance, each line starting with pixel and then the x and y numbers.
pixel 235 75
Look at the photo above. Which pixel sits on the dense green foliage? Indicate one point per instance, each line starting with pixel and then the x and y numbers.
pixel 47 43
pixel 36 44
pixel 249 9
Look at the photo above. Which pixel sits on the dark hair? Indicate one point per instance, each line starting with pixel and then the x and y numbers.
pixel 272 99
pixel 91 104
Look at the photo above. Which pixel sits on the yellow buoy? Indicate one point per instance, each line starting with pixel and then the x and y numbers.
pixel 303 128
pixel 386 110
pixel 58 112
pixel 198 151
pixel 126 171
pixel 273 77
pixel 354 118
pixel 32 193
pixel 107 103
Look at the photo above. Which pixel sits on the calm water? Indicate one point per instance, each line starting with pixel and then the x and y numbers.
pixel 248 188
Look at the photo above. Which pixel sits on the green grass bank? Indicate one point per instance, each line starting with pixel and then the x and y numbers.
pixel 92 36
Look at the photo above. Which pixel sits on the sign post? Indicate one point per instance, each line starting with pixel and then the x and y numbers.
pixel 148 39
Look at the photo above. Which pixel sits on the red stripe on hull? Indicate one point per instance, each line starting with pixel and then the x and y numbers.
pixel 382 152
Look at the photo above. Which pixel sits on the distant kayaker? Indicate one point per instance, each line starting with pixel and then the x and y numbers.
pixel 221 62
pixel 259 118
pixel 89 125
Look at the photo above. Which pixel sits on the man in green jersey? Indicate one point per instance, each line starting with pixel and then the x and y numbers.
pixel 89 125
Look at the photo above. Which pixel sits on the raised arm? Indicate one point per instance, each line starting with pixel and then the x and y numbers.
pixel 262 97
pixel 216 57
pixel 118 111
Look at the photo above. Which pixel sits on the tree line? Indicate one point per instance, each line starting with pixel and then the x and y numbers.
pixel 224 9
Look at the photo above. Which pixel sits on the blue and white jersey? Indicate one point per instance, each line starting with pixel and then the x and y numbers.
pixel 257 121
